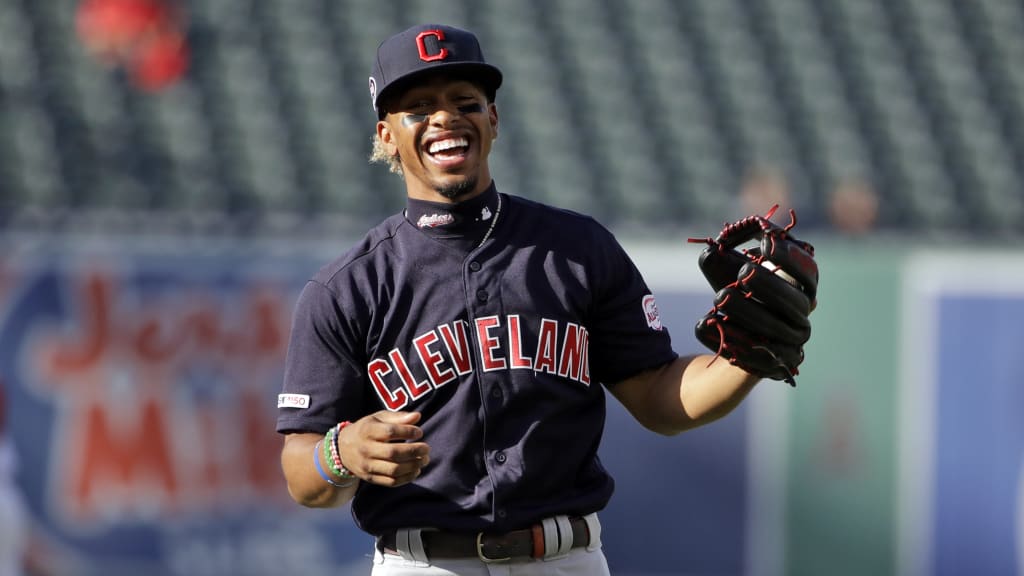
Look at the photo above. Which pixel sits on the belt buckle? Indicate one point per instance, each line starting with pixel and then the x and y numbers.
pixel 480 551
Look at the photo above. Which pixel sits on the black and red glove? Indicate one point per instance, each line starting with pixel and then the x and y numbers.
pixel 764 295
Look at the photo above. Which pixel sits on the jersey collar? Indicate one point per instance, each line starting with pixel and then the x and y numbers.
pixel 465 222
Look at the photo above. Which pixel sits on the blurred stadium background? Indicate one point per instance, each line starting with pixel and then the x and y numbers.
pixel 155 228
pixel 646 114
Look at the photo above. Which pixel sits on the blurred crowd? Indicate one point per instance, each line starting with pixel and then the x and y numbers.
pixel 852 205
pixel 145 38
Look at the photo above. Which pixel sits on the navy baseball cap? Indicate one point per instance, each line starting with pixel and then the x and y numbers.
pixel 425 49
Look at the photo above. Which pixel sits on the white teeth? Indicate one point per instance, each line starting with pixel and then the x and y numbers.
pixel 448 144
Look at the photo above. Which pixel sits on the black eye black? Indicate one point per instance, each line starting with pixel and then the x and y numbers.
pixel 471 108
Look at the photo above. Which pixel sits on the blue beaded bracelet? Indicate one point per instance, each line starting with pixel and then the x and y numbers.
pixel 320 469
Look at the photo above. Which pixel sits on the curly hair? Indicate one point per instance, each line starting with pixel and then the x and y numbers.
pixel 380 155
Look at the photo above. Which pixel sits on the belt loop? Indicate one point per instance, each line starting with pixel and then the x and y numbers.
pixel 419 552
pixel 557 537
pixel 594 528
pixel 550 538
pixel 409 542
pixel 564 535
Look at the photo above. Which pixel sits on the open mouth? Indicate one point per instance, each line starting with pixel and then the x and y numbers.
pixel 448 148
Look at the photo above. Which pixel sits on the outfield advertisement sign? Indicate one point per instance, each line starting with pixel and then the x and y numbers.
pixel 962 485
pixel 141 388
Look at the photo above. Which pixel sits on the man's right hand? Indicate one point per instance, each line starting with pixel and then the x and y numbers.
pixel 384 448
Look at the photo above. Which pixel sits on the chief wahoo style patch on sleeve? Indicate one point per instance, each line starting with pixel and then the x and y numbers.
pixel 651 312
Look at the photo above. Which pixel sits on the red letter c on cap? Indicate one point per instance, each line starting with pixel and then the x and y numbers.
pixel 425 55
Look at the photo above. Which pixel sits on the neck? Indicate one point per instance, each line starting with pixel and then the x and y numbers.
pixel 418 190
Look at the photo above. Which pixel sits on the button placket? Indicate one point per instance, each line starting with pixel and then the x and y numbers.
pixel 482 289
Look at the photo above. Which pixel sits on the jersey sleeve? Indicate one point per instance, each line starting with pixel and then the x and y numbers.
pixel 322 383
pixel 626 331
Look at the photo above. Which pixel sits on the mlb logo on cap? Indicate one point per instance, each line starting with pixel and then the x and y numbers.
pixel 421 50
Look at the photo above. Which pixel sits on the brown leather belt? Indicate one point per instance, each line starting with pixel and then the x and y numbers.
pixel 489 547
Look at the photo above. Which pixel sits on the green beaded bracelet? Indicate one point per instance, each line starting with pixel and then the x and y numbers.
pixel 320 469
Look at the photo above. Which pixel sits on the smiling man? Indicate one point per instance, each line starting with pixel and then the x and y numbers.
pixel 444 161
pixel 448 374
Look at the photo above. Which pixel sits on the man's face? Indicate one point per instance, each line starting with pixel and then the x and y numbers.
pixel 442 130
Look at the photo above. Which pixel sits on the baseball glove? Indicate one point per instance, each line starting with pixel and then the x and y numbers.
pixel 764 295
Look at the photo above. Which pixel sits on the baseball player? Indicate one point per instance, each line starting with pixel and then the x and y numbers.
pixel 447 374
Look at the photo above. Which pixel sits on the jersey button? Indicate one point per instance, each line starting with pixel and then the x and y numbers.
pixel 500 457
pixel 496 392
pixel 474 266
pixel 482 295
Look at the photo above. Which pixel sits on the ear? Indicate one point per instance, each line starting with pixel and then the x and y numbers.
pixel 387 138
pixel 492 116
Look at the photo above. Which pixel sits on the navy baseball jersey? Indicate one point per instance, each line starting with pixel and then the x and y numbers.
pixel 499 319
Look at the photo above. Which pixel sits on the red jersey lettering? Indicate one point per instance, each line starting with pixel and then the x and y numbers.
pixel 585 374
pixel 515 343
pixel 457 343
pixel 416 389
pixel 489 344
pixel 573 348
pixel 433 359
pixel 547 342
pixel 377 370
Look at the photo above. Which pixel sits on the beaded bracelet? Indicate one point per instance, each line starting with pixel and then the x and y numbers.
pixel 334 460
pixel 328 440
pixel 320 469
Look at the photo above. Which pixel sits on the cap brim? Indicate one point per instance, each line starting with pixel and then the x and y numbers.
pixel 486 75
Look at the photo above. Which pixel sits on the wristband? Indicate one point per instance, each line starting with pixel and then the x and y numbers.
pixel 336 464
pixel 328 442
pixel 320 469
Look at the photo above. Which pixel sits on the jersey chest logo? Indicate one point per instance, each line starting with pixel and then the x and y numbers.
pixel 501 343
